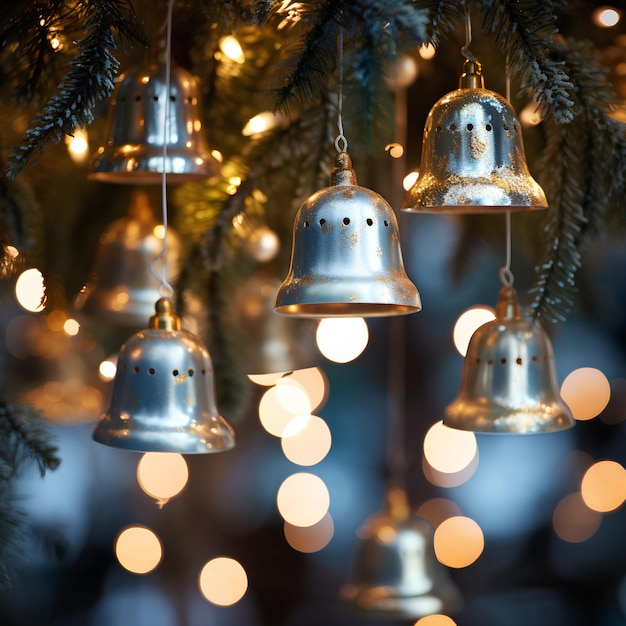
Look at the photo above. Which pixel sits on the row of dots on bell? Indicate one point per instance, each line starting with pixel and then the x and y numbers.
pixel 470 127
pixel 346 221
pixel 188 100
pixel 152 371
pixel 518 361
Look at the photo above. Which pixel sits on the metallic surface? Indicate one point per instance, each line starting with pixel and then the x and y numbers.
pixel 122 290
pixel 163 397
pixel 133 153
pixel 346 259
pixel 396 574
pixel 473 158
pixel 508 383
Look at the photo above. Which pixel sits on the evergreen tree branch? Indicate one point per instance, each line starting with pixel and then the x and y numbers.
pixel 443 17
pixel 90 78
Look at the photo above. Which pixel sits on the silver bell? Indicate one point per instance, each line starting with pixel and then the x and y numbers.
pixel 473 158
pixel 508 383
pixel 163 397
pixel 346 259
pixel 133 153
pixel 396 574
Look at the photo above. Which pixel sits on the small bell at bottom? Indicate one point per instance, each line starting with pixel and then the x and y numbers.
pixel 396 574
pixel 163 397
pixel 508 382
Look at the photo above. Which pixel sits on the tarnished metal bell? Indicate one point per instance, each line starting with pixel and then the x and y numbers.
pixel 133 153
pixel 508 383
pixel 163 397
pixel 473 158
pixel 396 574
pixel 122 290
pixel 346 259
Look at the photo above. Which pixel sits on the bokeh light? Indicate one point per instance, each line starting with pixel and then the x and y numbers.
pixel 409 180
pixel 586 391
pixel 223 581
pixel 437 510
pixel 448 449
pixel 306 440
pixel 232 49
pixel 427 51
pixel 573 521
pixel 266 380
pixel 315 383
pixel 30 290
pixel 603 487
pixel 310 538
pixel 606 17
pixel 162 475
pixel 78 145
pixel 71 327
pixel 303 499
pixel 138 549
pixel 436 620
pixel 459 541
pixel 342 339
pixel 448 480
pixel 108 368
pixel 266 120
pixel 281 403
pixel 468 322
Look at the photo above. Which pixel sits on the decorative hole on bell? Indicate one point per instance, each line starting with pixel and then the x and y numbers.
pixel 352 265
pixel 483 170
pixel 508 381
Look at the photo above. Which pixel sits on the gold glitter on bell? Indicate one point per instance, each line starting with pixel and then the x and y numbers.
pixel 133 153
pixel 163 397
pixel 473 158
pixel 396 574
pixel 508 383
pixel 122 290
pixel 346 259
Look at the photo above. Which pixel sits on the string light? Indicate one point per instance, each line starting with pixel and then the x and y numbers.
pixel 223 581
pixel 342 339
pixel 30 290
pixel 138 549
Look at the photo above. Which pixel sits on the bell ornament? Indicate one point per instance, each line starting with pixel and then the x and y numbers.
pixel 473 158
pixel 163 396
pixel 508 382
pixel 346 259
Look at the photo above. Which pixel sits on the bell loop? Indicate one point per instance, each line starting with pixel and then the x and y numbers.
pixel 164 318
pixel 508 306
pixel 343 173
pixel 472 77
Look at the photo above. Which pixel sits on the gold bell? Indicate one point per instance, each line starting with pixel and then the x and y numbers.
pixel 122 289
pixel 508 383
pixel 133 153
pixel 473 158
pixel 396 574
pixel 163 397
pixel 346 259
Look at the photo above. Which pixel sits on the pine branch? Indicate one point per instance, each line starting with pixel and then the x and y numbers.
pixel 523 32
pixel 12 522
pixel 443 17
pixel 89 80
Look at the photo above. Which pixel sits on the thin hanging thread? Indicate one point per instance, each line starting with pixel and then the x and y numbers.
pixel 165 289
pixel 506 275
pixel 341 143
pixel 465 51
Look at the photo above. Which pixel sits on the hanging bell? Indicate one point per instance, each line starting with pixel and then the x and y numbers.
pixel 133 153
pixel 163 397
pixel 508 383
pixel 396 574
pixel 346 259
pixel 122 290
pixel 473 158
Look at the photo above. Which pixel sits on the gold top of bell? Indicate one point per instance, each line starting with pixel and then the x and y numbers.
pixel 508 382
pixel 473 158
pixel 346 259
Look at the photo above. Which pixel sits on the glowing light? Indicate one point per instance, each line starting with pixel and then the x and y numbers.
pixel 260 123
pixel 436 620
pixel 342 339
pixel 448 480
pixel 606 17
pixel 395 150
pixel 573 521
pixel 107 369
pixel 280 404
pixel 315 384
pixel 437 510
pixel 530 115
pixel 306 440
pixel 448 449
pixel 232 49
pixel 587 392
pixel 71 327
pixel 235 180
pixel 406 71
pixel 159 231
pixel 427 51
pixel 458 541
pixel 303 499
pixel 266 380
pixel 217 155
pixel 468 322
pixel 30 290
pixel 603 487
pixel 223 581
pixel 311 538
pixel 162 475
pixel 78 145
pixel 138 549
pixel 409 180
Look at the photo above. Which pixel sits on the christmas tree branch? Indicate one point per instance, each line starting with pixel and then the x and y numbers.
pixel 443 17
